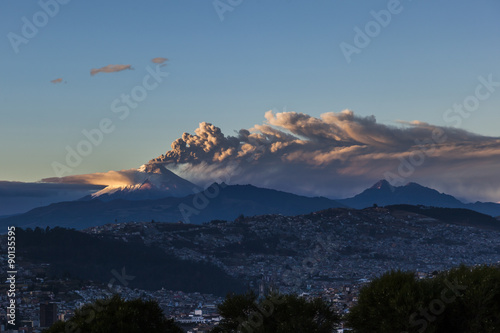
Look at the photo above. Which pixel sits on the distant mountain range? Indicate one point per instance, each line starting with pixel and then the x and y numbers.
pixel 218 202
pixel 163 196
pixel 383 194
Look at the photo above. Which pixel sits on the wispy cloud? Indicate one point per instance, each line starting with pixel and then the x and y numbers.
pixel 110 69
pixel 113 178
pixel 110 178
pixel 59 80
pixel 339 154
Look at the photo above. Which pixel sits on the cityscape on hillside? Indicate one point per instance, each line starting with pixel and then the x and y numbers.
pixel 234 166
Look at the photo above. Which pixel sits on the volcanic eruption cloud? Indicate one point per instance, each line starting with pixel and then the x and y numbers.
pixel 338 155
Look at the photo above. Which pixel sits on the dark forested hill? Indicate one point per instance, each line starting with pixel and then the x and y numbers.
pixel 76 254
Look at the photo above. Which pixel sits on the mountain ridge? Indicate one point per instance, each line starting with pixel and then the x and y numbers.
pixel 382 193
pixel 229 202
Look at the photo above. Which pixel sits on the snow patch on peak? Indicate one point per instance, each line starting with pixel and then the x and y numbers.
pixel 149 181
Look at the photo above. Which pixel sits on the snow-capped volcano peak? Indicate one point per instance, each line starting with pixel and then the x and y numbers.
pixel 150 181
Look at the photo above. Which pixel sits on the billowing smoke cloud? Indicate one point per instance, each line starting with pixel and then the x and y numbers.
pixel 338 155
pixel 59 80
pixel 159 60
pixel 110 69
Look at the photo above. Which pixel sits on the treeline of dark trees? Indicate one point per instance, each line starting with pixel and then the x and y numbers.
pixel 241 312
pixel 461 300
pixel 79 255
pixel 117 315
pixel 275 313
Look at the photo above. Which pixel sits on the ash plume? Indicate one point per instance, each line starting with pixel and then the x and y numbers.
pixel 338 155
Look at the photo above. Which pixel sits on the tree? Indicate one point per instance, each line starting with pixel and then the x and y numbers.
pixel 387 303
pixel 463 299
pixel 117 315
pixel 275 314
pixel 475 294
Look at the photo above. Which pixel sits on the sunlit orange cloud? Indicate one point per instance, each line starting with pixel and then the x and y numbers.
pixel 110 69
pixel 59 80
pixel 110 178
pixel 159 60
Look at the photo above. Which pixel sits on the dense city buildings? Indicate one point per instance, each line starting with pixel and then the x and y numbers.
pixel 329 254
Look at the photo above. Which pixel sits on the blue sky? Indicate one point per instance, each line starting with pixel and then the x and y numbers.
pixel 264 55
